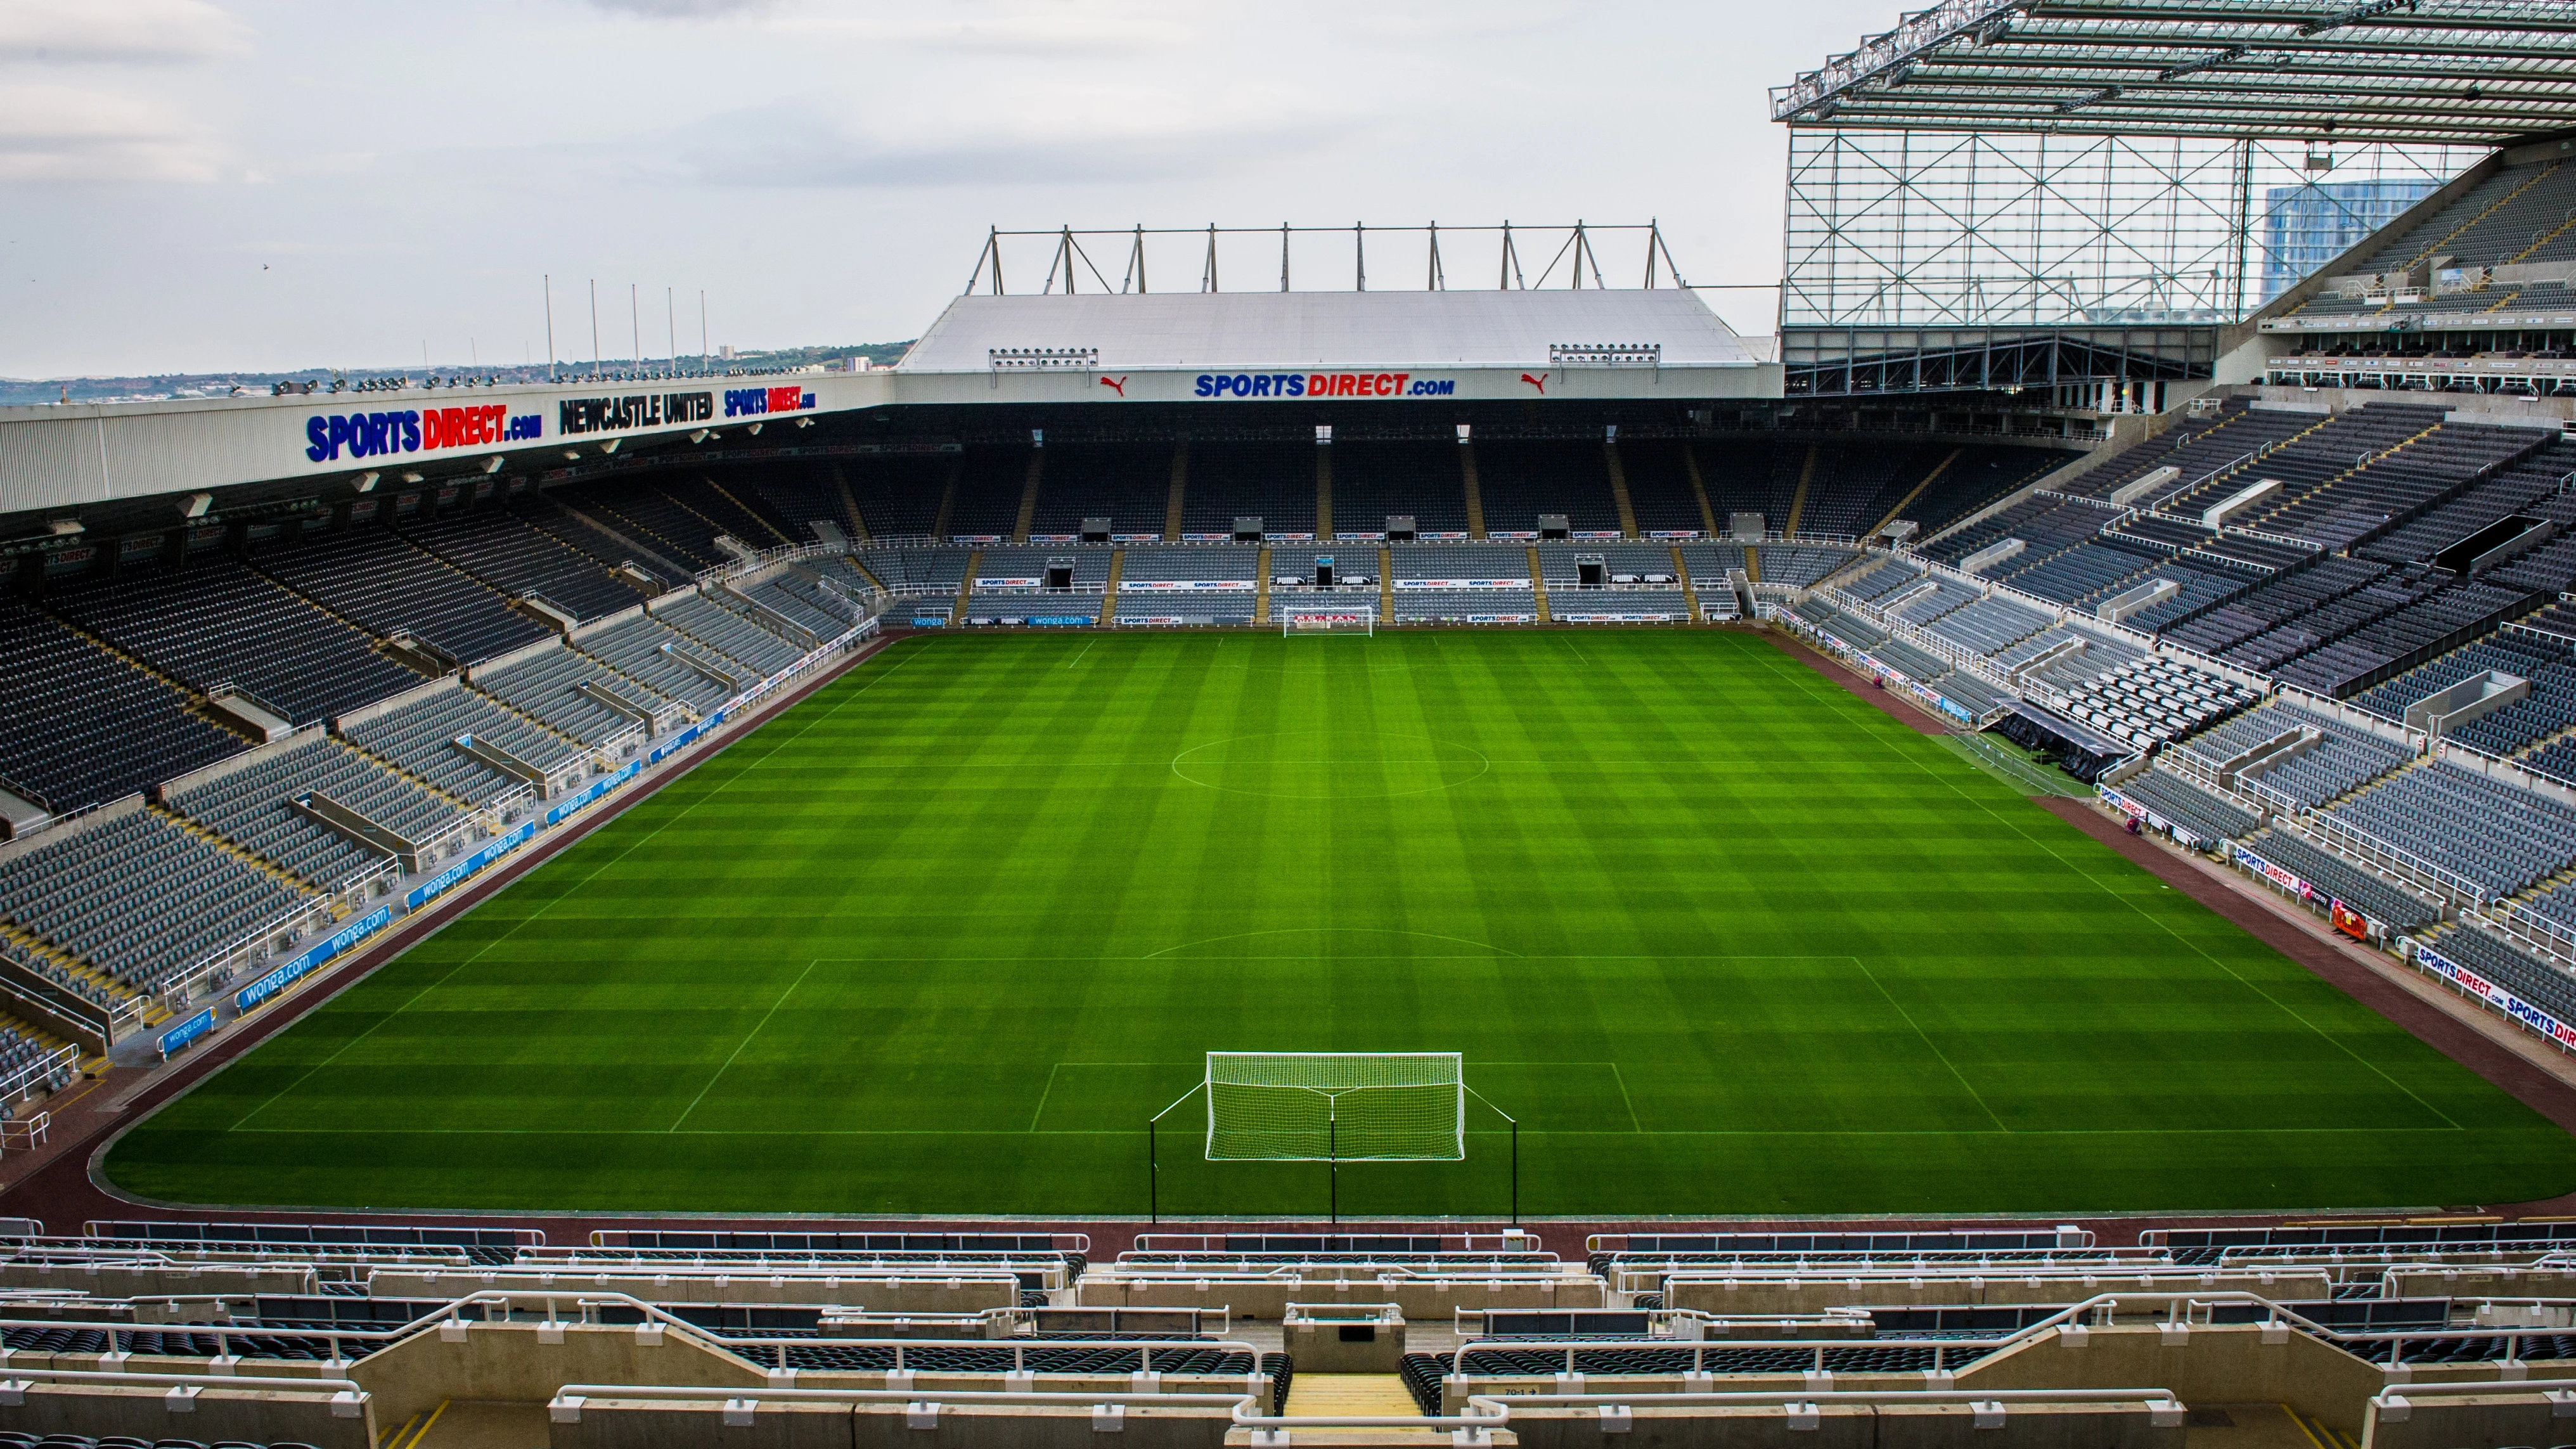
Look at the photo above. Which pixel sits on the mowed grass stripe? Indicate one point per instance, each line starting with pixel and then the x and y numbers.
pixel 1724 937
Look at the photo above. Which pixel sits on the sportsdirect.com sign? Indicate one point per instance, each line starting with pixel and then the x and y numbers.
pixel 415 430
pixel 1321 384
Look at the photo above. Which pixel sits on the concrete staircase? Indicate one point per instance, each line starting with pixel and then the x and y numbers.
pixel 1913 493
pixel 1029 496
pixel 1699 490
pixel 1118 565
pixel 1354 1396
pixel 752 513
pixel 224 843
pixel 947 501
pixel 1798 500
pixel 850 505
pixel 966 584
pixel 79 969
pixel 1475 490
pixel 1619 489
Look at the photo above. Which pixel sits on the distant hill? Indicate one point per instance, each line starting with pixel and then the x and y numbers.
pixel 160 387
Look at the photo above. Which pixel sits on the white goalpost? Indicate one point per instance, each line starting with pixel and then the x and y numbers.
pixel 1339 619
pixel 1336 1107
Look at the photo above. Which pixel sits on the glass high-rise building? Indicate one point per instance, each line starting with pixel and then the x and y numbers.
pixel 2307 226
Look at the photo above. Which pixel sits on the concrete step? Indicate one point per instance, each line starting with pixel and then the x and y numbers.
pixel 1355 1395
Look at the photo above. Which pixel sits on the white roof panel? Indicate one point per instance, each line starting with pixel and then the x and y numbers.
pixel 1223 330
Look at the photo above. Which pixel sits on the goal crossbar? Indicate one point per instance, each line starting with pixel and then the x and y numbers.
pixel 1336 1106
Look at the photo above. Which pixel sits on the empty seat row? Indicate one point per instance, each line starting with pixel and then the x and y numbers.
pixel 105 894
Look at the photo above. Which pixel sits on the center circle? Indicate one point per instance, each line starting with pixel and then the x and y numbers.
pixel 1330 764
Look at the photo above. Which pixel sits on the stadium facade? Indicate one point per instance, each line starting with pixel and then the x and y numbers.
pixel 2167 410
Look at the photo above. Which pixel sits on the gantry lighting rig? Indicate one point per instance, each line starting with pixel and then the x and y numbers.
pixel 2097 196
pixel 1339 253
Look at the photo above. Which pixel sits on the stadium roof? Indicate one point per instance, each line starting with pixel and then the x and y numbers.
pixel 1227 330
pixel 2469 72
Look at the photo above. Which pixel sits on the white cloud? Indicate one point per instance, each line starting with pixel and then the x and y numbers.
pixel 686 9
pixel 1049 136
pixel 1014 27
pixel 64 133
pixel 117 31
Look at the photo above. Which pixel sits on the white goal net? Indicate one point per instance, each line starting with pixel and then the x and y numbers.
pixel 1336 1106
pixel 1340 619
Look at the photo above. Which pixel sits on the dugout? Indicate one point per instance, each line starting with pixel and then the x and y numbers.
pixel 2081 750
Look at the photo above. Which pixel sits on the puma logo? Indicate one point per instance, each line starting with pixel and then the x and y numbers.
pixel 1116 384
pixel 1537 382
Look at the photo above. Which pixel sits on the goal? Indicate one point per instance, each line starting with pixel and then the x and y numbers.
pixel 1340 619
pixel 1336 1106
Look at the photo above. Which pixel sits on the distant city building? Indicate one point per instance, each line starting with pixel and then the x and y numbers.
pixel 2305 227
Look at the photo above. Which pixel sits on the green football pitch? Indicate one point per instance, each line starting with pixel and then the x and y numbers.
pixel 1723 938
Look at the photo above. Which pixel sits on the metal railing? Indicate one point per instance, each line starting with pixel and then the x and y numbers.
pixel 2353 838
pixel 2180 1311
pixel 2519 919
pixel 783 553
pixel 21 1083
pixel 122 1013
pixel 180 988
pixel 608 751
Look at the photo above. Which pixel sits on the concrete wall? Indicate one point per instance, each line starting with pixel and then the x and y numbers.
pixel 2481 1282
pixel 115 1280
pixel 1857 1426
pixel 873 1294
pixel 211 1414
pixel 525 1363
pixel 2471 1421
pixel 1420 1299
pixel 765 1424
pixel 115 810
pixel 1817 1293
pixel 378 710
pixel 2230 1365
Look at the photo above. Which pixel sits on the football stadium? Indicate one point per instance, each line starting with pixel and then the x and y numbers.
pixel 1492 861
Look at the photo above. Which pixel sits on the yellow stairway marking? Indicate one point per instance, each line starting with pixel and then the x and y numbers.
pixel 2553 235
pixel 1699 490
pixel 1619 489
pixel 1475 490
pixel 1690 590
pixel 411 1433
pixel 1029 496
pixel 2501 202
pixel 947 502
pixel 1323 495
pixel 1180 487
pixel 1538 584
pixel 1798 500
pixel 1355 1395
pixel 1385 586
pixel 1109 596
pixel 965 587
pixel 1261 588
pixel 850 504
pixel 485 1424
pixel 727 495
pixel 1937 470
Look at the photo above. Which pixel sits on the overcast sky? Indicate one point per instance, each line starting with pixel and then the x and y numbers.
pixel 212 184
